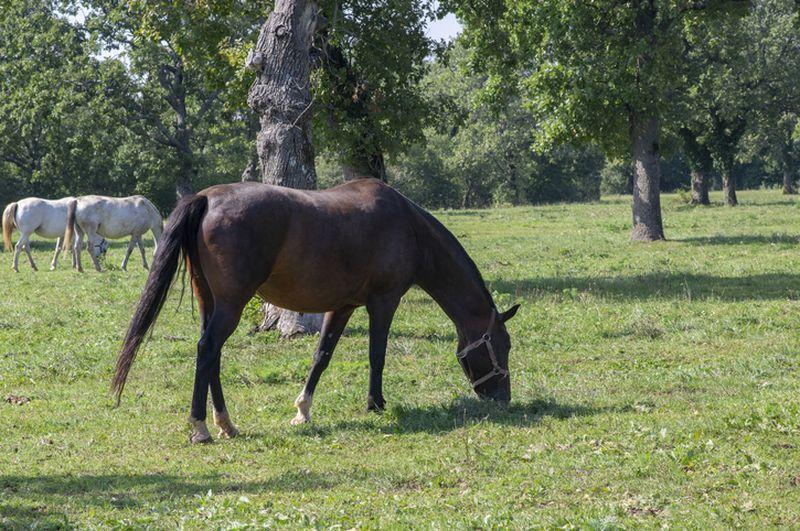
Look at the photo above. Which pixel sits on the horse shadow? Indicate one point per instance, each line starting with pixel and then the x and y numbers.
pixel 20 495
pixel 465 411
pixel 666 285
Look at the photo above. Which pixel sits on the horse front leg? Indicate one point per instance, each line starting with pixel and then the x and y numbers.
pixel 381 312
pixel 332 327
pixel 55 256
pixel 141 250
pixel 128 251
pixel 91 237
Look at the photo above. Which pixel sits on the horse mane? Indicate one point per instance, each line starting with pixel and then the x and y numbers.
pixel 453 247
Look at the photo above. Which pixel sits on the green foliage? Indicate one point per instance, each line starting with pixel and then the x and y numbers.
pixel 366 89
pixel 476 153
pixel 58 122
pixel 653 386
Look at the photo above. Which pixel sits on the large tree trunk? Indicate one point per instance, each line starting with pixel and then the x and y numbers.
pixel 252 172
pixel 729 188
pixel 282 98
pixel 700 187
pixel 647 224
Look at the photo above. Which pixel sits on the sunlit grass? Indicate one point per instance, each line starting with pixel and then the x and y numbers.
pixel 653 384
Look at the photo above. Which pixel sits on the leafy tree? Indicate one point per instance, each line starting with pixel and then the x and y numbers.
pixel 184 58
pixel 476 154
pixel 773 58
pixel 602 71
pixel 58 123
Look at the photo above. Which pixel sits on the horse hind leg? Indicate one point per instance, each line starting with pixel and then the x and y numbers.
pixel 55 256
pixel 205 304
pixel 332 328
pixel 77 249
pixel 219 327
pixel 24 244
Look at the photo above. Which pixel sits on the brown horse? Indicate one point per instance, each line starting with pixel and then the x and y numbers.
pixel 359 244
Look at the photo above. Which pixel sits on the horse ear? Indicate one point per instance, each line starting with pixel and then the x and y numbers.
pixel 508 314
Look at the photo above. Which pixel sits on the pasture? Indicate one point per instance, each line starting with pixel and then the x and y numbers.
pixel 652 384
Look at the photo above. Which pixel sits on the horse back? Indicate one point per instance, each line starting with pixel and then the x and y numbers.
pixel 310 250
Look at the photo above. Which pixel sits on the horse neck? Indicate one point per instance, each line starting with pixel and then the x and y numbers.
pixel 451 278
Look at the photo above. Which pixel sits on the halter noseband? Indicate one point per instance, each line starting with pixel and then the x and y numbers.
pixel 485 339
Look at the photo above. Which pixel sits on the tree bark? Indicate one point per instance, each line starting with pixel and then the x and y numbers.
pixel 281 96
pixel 700 187
pixel 647 224
pixel 729 189
pixel 788 183
pixel 252 172
pixel 788 171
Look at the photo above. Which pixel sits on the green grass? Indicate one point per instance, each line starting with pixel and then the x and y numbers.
pixel 653 384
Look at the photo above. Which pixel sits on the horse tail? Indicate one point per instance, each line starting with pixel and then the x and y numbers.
pixel 179 238
pixel 9 214
pixel 70 230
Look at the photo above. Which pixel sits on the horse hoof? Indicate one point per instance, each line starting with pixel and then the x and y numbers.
pixel 226 428
pixel 199 434
pixel 52 268
pixel 300 419
pixel 376 405
pixel 15 270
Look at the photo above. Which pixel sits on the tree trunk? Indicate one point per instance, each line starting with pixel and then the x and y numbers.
pixel 252 172
pixel 282 98
pixel 788 184
pixel 788 172
pixel 281 94
pixel 729 189
pixel 700 188
pixel 647 224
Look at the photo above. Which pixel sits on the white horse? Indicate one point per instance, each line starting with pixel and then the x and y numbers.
pixel 113 218
pixel 47 218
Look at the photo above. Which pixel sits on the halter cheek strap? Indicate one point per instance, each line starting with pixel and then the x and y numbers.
pixel 485 339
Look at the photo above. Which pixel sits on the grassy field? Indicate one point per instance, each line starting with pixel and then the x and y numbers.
pixel 653 384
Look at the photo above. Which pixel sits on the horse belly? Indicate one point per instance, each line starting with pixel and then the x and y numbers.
pixel 308 294
pixel 115 228
pixel 52 226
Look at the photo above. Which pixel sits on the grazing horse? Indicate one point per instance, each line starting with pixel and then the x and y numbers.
pixel 358 244
pixel 47 218
pixel 112 218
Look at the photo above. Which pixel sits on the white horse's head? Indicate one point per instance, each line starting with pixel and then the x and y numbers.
pixel 100 247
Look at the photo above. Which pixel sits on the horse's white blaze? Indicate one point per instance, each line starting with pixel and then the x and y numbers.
pixel 303 405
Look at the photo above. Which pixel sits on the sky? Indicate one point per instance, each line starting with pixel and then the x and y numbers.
pixel 445 28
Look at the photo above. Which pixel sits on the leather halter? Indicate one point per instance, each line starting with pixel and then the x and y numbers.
pixel 485 339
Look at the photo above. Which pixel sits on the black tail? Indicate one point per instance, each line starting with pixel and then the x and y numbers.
pixel 179 237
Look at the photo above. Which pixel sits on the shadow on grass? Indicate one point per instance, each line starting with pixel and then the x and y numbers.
pixel 742 239
pixel 444 418
pixel 134 490
pixel 768 286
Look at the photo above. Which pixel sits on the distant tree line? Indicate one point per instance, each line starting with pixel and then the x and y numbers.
pixel 537 101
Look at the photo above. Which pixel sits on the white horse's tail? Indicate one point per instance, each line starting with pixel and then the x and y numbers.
pixel 9 214
pixel 70 230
